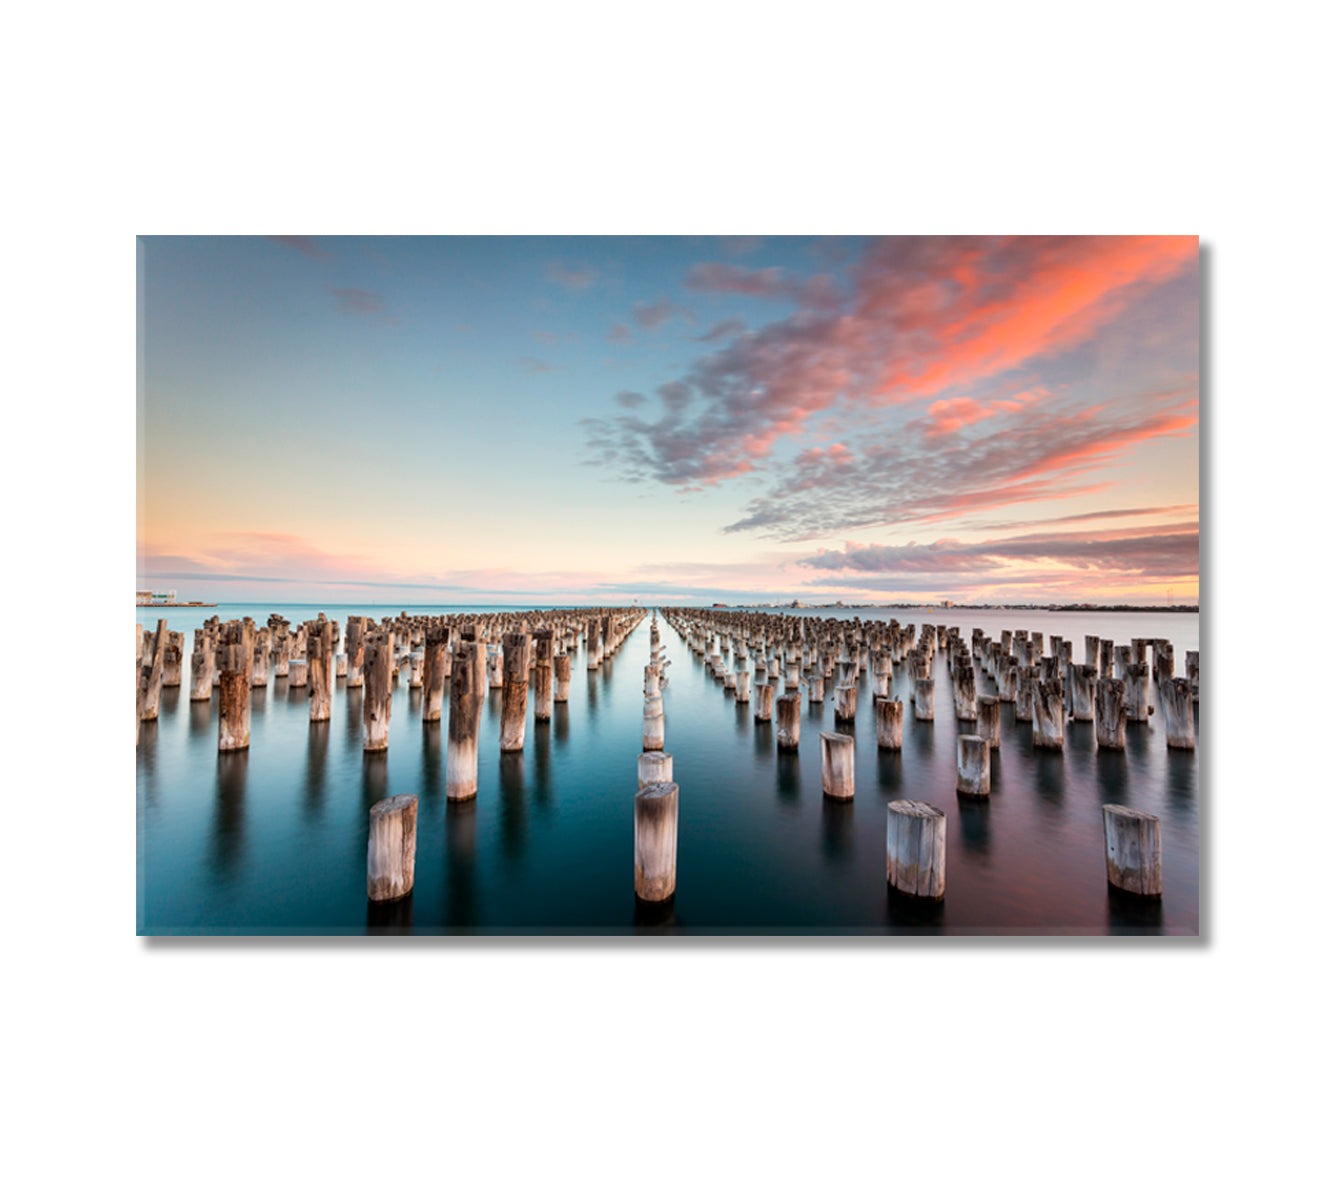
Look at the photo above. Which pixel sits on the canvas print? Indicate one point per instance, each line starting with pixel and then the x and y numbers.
pixel 801 585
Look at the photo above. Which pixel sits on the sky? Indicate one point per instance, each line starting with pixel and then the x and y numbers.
pixel 531 420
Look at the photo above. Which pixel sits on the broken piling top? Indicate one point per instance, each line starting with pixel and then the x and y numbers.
pixel 1134 850
pixel 915 849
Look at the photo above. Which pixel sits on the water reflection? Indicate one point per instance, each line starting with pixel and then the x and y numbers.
pixel 922 735
pixel 415 702
pixel 170 702
pixel 513 807
pixel 227 836
pixel 560 721
pixel 461 860
pixel 789 779
pixel 147 749
pixel 913 912
pixel 352 718
pixel 764 736
pixel 837 830
pixel 1113 774
pixel 541 746
pixel 1079 737
pixel 889 771
pixel 432 774
pixel 655 918
pixel 201 718
pixel 317 753
pixel 1128 913
pixel 1181 779
pixel 258 705
pixel 975 825
pixel 1049 775
pixel 593 690
pixel 374 780
pixel 394 917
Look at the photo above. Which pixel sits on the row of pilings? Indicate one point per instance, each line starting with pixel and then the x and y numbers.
pixel 517 653
pixel 764 660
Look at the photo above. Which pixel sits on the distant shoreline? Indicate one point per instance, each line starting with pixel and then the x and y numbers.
pixel 179 604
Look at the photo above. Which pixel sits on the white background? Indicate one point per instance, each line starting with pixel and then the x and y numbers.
pixel 904 1067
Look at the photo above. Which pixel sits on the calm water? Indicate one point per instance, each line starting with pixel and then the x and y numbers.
pixel 273 840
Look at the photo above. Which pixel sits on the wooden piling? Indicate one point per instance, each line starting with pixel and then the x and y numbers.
pixel 467 690
pixel 845 703
pixel 391 851
pixel 743 687
pixel 889 724
pixel 234 668
pixel 436 647
pixel 837 765
pixel 296 674
pixel 1178 713
pixel 542 674
pixel 377 691
pixel 789 721
pixel 150 675
pixel 988 717
pixel 974 766
pixel 514 696
pixel 1110 714
pixel 656 807
pixel 561 667
pixel 1134 850
pixel 1048 715
pixel 764 708
pixel 655 766
pixel 915 849
pixel 319 666
pixel 924 699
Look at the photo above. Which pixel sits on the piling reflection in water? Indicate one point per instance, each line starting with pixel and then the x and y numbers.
pixel 513 806
pixel 227 836
pixel 655 918
pixel 1049 775
pixel 432 787
pixel 374 781
pixel 391 918
pixel 975 825
pixel 203 718
pixel 1113 774
pixel 913 913
pixel 837 830
pixel 889 773
pixel 317 753
pixel 461 864
pixel 1128 913
pixel 789 779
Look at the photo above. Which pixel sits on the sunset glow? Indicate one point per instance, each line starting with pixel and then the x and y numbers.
pixel 576 420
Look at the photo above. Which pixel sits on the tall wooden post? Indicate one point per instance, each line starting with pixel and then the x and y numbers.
pixel 1134 850
pixel 378 689
pixel 655 841
pixel 391 851
pixel 234 669
pixel 1110 714
pixel 542 675
pixel 889 724
pixel 514 693
pixel 789 721
pixel 319 664
pixel 837 773
pixel 467 689
pixel 433 672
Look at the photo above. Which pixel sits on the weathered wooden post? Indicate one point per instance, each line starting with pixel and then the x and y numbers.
pixel 889 724
pixel 655 841
pixel 837 773
pixel 356 651
pixel 391 851
pixel 815 684
pixel 988 717
pixel 845 703
pixel 1164 660
pixel 1137 692
pixel 542 669
pixel 561 663
pixel 594 645
pixel 1110 714
pixel 259 661
pixel 1082 680
pixel 433 672
pixel 974 766
pixel 1134 850
pixel 495 668
pixel 965 693
pixel 1007 679
pixel 654 724
pixel 296 674
pixel 789 721
pixel 234 696
pixel 743 687
pixel 150 675
pixel 1048 715
pixel 416 669
pixel 1091 650
pixel 655 766
pixel 319 663
pixel 1193 671
pixel 202 665
pixel 924 699
pixel 915 849
pixel 378 690
pixel 514 697
pixel 764 708
pixel 1178 714
pixel 467 689
pixel 172 657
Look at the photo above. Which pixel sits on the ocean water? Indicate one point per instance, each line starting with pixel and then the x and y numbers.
pixel 273 839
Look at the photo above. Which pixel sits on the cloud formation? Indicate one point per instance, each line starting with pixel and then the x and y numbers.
pixel 358 300
pixel 301 243
pixel 924 316
pixel 571 275
pixel 651 316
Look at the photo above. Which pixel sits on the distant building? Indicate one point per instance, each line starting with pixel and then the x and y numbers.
pixel 155 597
